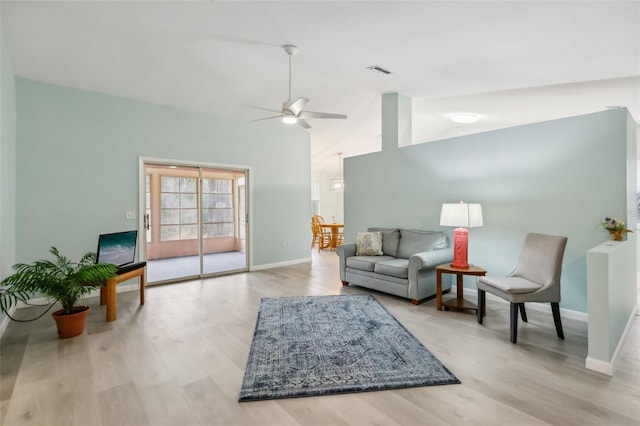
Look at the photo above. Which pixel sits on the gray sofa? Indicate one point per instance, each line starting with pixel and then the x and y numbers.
pixel 406 267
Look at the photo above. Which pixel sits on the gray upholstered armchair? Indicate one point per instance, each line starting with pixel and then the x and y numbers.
pixel 536 278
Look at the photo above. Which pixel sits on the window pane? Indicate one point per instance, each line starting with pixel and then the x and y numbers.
pixel 188 201
pixel 225 215
pixel 224 186
pixel 208 186
pixel 179 203
pixel 224 201
pixel 209 230
pixel 169 184
pixel 169 201
pixel 209 200
pixel 188 185
pixel 209 215
pixel 188 232
pixel 169 216
pixel 169 233
pixel 226 230
pixel 188 216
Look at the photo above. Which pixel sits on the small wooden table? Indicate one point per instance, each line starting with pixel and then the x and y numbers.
pixel 108 291
pixel 459 302
pixel 335 229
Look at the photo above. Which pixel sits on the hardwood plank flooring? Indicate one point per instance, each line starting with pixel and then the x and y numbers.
pixel 180 360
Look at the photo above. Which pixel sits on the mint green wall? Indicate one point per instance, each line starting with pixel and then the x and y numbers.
pixel 7 161
pixel 77 168
pixel 558 177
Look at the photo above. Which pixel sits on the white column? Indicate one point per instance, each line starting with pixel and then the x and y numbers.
pixel 396 121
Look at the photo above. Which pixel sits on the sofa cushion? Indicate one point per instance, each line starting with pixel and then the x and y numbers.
pixel 390 240
pixel 395 268
pixel 365 263
pixel 412 242
pixel 368 244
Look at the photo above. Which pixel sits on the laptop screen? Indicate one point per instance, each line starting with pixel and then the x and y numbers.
pixel 118 248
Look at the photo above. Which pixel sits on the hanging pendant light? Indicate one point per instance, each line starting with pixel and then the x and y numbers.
pixel 338 183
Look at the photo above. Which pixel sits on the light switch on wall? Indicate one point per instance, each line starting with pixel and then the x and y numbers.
pixel 130 215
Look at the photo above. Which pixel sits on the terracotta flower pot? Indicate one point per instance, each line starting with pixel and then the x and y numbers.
pixel 71 325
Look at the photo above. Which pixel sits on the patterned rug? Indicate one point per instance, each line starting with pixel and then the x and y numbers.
pixel 321 345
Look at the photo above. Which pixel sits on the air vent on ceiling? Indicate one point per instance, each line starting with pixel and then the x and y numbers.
pixel 379 69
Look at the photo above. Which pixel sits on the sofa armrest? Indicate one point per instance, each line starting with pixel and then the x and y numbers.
pixel 430 259
pixel 344 251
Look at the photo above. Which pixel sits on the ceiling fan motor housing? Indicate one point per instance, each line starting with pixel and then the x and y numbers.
pixel 290 49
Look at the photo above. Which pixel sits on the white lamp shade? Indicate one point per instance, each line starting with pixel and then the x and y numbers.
pixel 461 215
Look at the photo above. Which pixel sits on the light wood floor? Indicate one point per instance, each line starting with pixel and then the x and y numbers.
pixel 180 359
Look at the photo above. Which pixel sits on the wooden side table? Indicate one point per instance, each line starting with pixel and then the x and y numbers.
pixel 459 302
pixel 108 290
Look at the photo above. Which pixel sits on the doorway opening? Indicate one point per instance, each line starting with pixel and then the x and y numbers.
pixel 195 221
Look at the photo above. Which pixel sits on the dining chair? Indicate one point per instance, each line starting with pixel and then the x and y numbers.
pixel 536 278
pixel 319 235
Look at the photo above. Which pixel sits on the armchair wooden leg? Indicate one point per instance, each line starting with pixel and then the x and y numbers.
pixel 523 313
pixel 555 309
pixel 481 305
pixel 345 282
pixel 514 322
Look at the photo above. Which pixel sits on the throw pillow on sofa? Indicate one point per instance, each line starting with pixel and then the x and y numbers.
pixel 368 244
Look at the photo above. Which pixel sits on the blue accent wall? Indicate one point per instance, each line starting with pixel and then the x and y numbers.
pixel 7 161
pixel 78 169
pixel 558 177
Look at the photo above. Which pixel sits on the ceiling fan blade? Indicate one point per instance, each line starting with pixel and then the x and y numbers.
pixel 296 106
pixel 266 118
pixel 260 108
pixel 303 123
pixel 312 114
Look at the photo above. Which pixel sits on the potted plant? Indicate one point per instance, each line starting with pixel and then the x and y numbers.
pixel 61 280
pixel 615 227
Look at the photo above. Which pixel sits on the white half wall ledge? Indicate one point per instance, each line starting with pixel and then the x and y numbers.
pixel 612 302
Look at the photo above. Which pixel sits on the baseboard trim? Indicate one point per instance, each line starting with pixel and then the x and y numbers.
pixel 280 264
pixel 599 366
pixel 5 320
pixel 44 301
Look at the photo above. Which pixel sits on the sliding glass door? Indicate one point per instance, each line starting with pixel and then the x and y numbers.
pixel 195 221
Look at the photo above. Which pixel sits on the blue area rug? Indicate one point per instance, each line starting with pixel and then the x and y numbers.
pixel 322 345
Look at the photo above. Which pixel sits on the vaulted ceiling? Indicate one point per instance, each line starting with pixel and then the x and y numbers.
pixel 509 62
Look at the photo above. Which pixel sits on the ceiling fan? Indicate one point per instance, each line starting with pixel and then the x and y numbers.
pixel 293 111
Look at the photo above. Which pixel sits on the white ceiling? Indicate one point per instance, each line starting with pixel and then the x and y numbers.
pixel 510 62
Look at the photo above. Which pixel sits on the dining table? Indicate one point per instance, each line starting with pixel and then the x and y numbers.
pixel 335 231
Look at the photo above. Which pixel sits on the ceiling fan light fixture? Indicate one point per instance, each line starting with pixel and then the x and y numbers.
pixel 464 117
pixel 289 119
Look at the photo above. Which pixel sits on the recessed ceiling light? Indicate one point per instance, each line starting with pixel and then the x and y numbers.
pixel 464 117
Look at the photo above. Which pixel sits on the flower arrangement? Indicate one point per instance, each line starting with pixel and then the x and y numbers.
pixel 615 227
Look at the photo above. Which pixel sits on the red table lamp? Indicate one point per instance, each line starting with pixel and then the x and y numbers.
pixel 462 216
